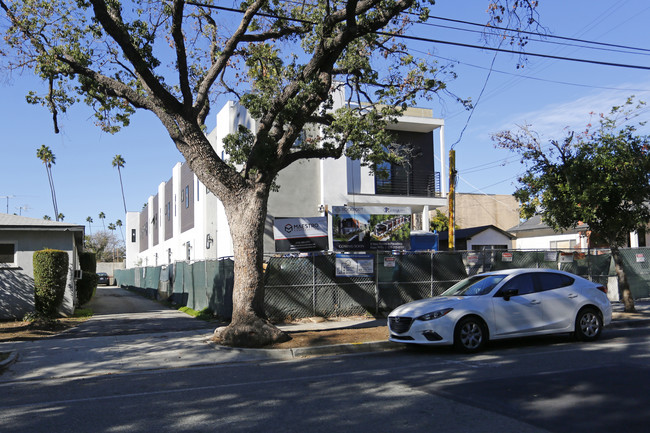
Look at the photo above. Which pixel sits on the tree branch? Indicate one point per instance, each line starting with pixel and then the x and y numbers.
pixel 229 48
pixel 181 53
pixel 113 25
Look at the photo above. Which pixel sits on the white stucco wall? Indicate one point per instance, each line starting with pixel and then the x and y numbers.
pixel 489 237
pixel 544 242
pixel 17 280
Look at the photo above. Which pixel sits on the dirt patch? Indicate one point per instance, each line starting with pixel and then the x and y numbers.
pixel 25 331
pixel 334 336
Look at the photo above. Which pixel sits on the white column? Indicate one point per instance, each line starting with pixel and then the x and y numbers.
pixel 444 175
pixel 425 218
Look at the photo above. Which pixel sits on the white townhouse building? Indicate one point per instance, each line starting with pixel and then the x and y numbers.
pixel 183 221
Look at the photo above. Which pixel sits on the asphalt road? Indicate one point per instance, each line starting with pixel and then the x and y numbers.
pixel 534 385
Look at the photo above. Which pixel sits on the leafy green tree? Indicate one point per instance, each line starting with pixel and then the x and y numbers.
pixel 599 177
pixel 440 222
pixel 60 217
pixel 47 218
pixel 281 60
pixel 119 162
pixel 47 157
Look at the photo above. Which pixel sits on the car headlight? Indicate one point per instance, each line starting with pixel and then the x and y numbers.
pixel 434 314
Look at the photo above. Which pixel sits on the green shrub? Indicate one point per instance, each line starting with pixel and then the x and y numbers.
pixel 50 277
pixel 88 262
pixel 86 287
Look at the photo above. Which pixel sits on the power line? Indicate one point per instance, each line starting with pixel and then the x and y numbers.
pixel 459 44
pixel 627 47
pixel 521 53
pixel 645 53
pixel 528 77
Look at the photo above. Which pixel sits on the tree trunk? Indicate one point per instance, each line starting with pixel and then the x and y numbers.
pixel 623 285
pixel 246 213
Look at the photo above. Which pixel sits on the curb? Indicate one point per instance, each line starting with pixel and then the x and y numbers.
pixel 629 323
pixel 9 360
pixel 383 346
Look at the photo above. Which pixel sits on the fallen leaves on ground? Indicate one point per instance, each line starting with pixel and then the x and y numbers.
pixel 23 331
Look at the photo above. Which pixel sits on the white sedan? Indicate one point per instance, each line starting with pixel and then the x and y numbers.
pixel 504 304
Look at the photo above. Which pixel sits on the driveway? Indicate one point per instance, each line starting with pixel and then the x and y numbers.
pixel 120 312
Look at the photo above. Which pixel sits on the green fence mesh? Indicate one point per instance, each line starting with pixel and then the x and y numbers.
pixel 298 287
pixel 636 263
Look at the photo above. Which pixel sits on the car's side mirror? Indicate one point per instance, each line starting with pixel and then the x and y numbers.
pixel 507 294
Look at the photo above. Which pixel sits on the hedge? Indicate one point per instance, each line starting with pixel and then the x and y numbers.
pixel 50 278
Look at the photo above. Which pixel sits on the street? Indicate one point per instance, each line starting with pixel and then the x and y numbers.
pixel 533 385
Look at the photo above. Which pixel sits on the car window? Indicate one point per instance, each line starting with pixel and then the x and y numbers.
pixel 474 286
pixel 524 284
pixel 550 281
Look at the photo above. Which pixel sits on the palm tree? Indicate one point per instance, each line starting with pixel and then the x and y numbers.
pixel 119 224
pixel 119 162
pixel 89 219
pixel 60 217
pixel 112 227
pixel 47 218
pixel 47 157
pixel 102 216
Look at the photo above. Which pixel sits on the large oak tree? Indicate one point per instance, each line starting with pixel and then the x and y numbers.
pixel 279 59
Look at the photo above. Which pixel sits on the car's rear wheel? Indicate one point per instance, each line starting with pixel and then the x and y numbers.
pixel 589 324
pixel 470 335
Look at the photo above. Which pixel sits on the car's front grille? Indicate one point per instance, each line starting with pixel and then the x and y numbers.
pixel 399 325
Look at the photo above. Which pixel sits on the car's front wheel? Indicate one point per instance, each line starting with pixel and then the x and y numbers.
pixel 589 324
pixel 470 335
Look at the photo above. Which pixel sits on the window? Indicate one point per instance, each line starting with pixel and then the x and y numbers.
pixel 7 253
pixel 549 281
pixel 524 284
pixel 187 196
pixel 168 211
pixel 133 235
pixel 198 184
pixel 570 244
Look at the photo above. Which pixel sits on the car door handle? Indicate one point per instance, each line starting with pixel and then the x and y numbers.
pixel 535 302
pixel 572 295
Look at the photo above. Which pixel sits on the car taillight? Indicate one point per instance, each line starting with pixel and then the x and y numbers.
pixel 602 289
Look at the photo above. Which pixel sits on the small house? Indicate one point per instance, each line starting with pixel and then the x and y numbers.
pixel 20 237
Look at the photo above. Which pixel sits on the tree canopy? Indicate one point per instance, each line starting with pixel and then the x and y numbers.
pixel 600 176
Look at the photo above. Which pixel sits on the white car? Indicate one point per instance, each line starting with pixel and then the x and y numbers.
pixel 504 304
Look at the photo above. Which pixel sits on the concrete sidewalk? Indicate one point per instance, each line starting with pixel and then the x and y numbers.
pixel 62 357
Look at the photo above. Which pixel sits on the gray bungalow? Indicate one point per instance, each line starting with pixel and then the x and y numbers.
pixel 20 237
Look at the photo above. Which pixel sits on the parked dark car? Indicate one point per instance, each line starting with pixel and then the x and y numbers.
pixel 103 278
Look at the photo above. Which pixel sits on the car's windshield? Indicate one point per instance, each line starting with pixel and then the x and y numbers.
pixel 474 286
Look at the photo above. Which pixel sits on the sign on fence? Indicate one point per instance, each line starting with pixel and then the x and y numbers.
pixel 300 234
pixel 354 265
pixel 365 228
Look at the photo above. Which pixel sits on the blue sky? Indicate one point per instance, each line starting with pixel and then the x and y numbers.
pixel 548 94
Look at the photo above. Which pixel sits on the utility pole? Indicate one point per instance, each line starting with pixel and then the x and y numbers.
pixel 451 200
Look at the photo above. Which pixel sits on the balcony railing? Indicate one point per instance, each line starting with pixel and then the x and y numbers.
pixel 414 186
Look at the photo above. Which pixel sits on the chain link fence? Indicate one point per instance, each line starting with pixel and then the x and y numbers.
pixel 298 287
pixel 198 285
